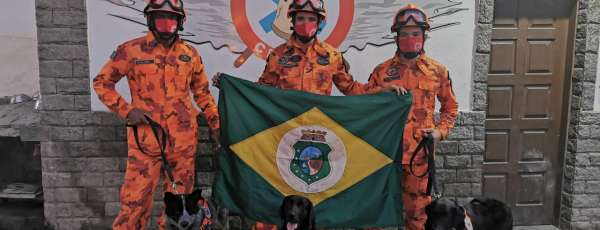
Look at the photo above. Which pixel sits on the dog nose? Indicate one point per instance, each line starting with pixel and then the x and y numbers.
pixel 293 218
pixel 184 224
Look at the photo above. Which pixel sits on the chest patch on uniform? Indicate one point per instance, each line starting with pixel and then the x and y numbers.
pixel 392 71
pixel 391 78
pixel 142 62
pixel 289 61
pixel 185 58
pixel 321 60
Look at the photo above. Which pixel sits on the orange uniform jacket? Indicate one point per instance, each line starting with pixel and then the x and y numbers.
pixel 160 80
pixel 427 80
pixel 315 71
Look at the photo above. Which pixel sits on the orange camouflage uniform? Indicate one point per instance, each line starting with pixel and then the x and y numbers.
pixel 159 80
pixel 426 80
pixel 315 71
pixel 289 67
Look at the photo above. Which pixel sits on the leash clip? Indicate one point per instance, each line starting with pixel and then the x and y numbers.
pixel 436 195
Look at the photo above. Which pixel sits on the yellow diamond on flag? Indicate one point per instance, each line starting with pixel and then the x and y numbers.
pixel 310 155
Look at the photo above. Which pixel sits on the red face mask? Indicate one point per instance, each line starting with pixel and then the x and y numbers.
pixel 411 44
pixel 306 29
pixel 165 25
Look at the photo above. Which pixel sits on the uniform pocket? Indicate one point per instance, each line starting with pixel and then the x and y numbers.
pixel 145 73
pixel 145 67
pixel 290 78
pixel 429 85
pixel 183 76
pixel 323 78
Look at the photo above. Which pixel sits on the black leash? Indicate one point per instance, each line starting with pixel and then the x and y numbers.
pixel 155 126
pixel 427 145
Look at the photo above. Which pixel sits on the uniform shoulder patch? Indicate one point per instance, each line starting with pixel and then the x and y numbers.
pixel 185 58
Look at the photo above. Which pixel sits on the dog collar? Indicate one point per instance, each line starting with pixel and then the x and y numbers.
pixel 468 223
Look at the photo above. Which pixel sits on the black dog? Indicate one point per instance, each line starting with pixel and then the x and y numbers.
pixel 185 211
pixel 296 212
pixel 479 214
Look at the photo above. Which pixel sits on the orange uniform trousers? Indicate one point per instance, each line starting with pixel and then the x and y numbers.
pixel 141 179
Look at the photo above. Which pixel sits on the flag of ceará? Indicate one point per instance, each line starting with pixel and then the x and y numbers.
pixel 341 152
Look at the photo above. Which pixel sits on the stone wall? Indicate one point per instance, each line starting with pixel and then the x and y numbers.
pixel 580 203
pixel 460 157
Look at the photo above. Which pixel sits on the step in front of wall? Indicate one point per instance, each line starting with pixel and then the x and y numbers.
pixel 537 227
pixel 21 215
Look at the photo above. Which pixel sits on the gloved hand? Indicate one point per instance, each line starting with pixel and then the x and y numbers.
pixel 137 116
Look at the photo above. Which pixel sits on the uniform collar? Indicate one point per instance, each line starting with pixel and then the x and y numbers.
pixel 316 45
pixel 153 43
pixel 422 62
pixel 422 58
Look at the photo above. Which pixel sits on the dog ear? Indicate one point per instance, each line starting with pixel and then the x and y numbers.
pixel 282 208
pixel 311 216
pixel 477 201
pixel 459 217
pixel 196 195
pixel 169 197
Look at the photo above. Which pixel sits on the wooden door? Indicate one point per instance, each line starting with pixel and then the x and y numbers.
pixel 526 87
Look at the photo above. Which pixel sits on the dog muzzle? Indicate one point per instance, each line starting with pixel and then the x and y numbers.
pixel 193 222
pixel 188 221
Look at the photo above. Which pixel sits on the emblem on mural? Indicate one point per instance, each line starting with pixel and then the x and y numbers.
pixel 311 159
pixel 255 29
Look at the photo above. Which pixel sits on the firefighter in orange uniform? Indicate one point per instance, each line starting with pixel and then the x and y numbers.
pixel 161 70
pixel 304 63
pixel 411 69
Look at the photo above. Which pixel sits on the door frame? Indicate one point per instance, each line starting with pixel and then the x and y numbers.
pixel 567 99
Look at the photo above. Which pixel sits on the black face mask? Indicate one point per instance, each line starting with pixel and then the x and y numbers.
pixel 408 55
pixel 304 39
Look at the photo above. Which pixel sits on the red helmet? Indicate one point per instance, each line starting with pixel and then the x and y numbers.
pixel 173 6
pixel 312 6
pixel 410 11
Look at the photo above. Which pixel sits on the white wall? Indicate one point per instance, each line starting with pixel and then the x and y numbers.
pixel 452 47
pixel 19 71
